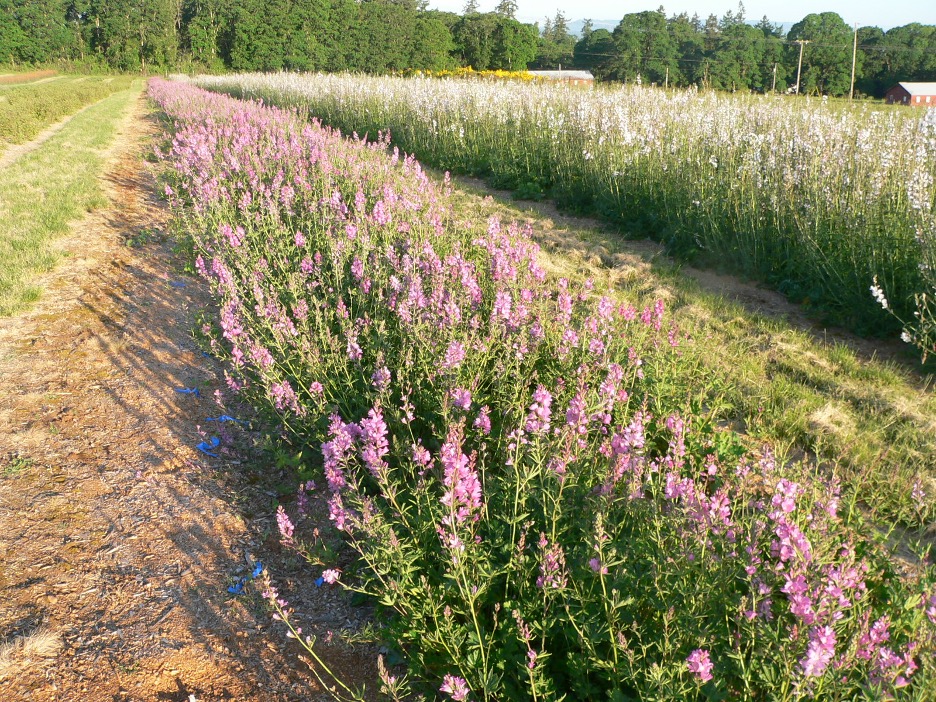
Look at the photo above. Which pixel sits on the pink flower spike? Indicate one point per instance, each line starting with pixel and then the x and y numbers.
pixel 461 399
pixel 595 565
pixel 331 576
pixel 456 687
pixel 700 665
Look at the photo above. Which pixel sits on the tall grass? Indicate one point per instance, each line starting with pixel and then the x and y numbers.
pixel 46 189
pixel 817 199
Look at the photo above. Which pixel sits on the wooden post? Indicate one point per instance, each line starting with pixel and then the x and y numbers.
pixel 799 67
pixel 851 92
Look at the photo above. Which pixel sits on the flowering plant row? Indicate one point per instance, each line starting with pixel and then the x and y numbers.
pixel 509 457
pixel 743 181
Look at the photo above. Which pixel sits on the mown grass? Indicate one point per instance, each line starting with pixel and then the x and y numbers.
pixel 870 421
pixel 28 109
pixel 46 189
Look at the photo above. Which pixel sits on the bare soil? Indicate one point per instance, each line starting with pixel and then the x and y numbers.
pixel 120 539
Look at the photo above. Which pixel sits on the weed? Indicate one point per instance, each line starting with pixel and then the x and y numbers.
pixel 15 466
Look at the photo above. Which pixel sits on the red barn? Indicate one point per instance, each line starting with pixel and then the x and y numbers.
pixel 914 94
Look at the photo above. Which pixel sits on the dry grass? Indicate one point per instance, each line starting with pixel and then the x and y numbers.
pixel 26 77
pixel 23 651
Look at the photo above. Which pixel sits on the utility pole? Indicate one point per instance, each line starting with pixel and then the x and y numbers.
pixel 851 92
pixel 666 81
pixel 799 67
pixel 773 88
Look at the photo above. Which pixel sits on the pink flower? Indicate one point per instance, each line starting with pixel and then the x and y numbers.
pixel 331 576
pixel 284 525
pixel 381 378
pixel 700 664
pixel 595 565
pixel 552 566
pixel 537 421
pixel 454 356
pixel 483 421
pixel 456 687
pixel 463 487
pixel 461 398
pixel 819 652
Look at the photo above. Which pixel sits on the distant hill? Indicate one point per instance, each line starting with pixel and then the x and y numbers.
pixel 576 26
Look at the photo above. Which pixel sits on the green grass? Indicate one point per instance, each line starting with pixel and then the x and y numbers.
pixel 14 467
pixel 870 422
pixel 28 109
pixel 46 189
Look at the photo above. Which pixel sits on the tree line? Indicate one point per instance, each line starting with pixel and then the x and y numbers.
pixel 378 36
pixel 730 53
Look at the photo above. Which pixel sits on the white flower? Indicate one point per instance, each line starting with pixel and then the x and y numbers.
pixel 879 294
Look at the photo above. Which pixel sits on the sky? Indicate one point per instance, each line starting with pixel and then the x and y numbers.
pixel 892 13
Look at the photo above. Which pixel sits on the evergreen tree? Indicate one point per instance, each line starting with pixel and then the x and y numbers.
pixel 556 44
pixel 507 8
pixel 515 44
pixel 433 50
pixel 827 59
pixel 594 51
pixel 645 47
pixel 736 65
pixel 687 33
pixel 473 35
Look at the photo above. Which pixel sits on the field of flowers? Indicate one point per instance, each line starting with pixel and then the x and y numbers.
pixel 817 199
pixel 510 458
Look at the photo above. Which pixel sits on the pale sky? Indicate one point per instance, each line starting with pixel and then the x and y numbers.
pixel 892 13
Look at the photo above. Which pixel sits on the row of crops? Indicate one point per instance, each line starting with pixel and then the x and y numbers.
pixel 25 110
pixel 509 457
pixel 818 199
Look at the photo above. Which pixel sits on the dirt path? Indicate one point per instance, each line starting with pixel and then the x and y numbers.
pixel 119 538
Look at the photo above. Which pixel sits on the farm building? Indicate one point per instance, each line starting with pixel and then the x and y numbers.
pixel 915 94
pixel 573 77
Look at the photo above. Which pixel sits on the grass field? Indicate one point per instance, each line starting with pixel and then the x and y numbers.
pixel 27 109
pixel 45 190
